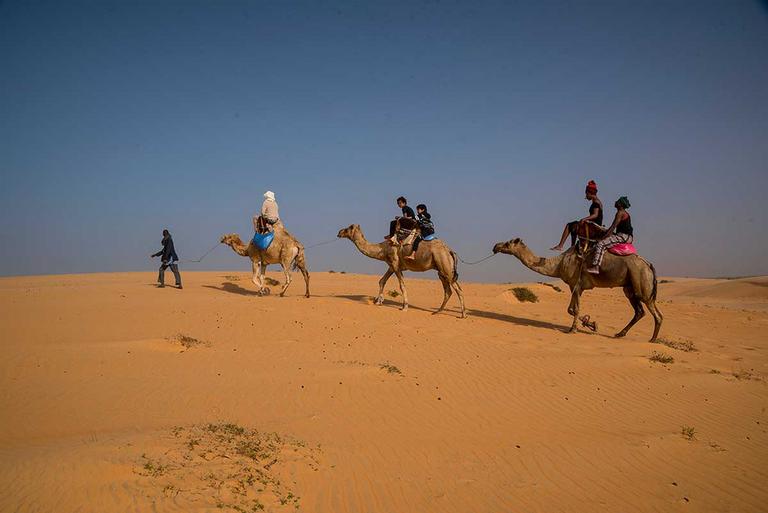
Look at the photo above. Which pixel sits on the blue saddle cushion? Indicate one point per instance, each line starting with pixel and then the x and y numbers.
pixel 430 237
pixel 263 240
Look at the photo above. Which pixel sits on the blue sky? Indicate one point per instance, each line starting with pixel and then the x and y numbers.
pixel 118 119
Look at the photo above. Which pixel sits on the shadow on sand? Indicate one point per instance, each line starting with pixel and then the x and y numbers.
pixel 233 288
pixel 471 312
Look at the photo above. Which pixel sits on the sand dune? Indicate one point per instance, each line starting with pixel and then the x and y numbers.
pixel 117 396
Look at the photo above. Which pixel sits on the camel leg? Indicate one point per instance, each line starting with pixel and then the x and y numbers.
pixel 401 281
pixel 382 283
pixel 446 292
pixel 657 318
pixel 573 308
pixel 305 274
pixel 637 306
pixel 263 290
pixel 460 294
pixel 286 268
pixel 256 266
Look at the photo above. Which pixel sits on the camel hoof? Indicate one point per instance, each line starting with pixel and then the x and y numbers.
pixel 306 296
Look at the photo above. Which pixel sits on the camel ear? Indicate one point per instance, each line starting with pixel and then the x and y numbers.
pixel 516 241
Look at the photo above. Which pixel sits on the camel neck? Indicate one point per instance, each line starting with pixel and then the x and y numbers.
pixel 541 265
pixel 368 249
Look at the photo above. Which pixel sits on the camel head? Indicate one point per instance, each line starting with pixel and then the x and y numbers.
pixel 230 239
pixel 510 247
pixel 349 231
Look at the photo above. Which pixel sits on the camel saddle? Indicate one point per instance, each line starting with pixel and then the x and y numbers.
pixel 588 234
pixel 262 226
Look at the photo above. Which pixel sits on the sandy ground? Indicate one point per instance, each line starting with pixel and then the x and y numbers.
pixel 281 403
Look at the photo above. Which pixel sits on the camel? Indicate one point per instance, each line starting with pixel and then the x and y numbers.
pixel 284 250
pixel 633 273
pixel 434 254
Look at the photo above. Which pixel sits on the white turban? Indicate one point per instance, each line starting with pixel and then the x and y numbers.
pixel 269 195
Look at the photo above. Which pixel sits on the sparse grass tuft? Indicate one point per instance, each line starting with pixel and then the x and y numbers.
pixel 661 357
pixel 153 468
pixel 331 271
pixel 680 345
pixel 666 281
pixel 229 464
pixel 231 277
pixel 746 375
pixel 389 368
pixel 524 294
pixel 393 293
pixel 271 281
pixel 190 342
pixel 688 432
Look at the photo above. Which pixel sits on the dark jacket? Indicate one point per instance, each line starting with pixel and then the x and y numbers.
pixel 425 224
pixel 168 253
pixel 408 212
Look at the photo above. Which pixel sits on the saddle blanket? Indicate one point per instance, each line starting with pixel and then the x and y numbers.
pixel 263 240
pixel 623 249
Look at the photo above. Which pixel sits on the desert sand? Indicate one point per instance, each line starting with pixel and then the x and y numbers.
pixel 117 396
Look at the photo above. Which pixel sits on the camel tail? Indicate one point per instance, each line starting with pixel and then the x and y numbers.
pixel 455 265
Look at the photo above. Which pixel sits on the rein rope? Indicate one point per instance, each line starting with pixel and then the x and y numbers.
pixel 202 257
pixel 476 261
pixel 321 243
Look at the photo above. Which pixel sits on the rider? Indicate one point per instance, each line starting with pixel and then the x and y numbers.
pixel 269 214
pixel 426 228
pixel 595 216
pixel 622 224
pixel 407 222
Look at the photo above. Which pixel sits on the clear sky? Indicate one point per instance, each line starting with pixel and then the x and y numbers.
pixel 119 119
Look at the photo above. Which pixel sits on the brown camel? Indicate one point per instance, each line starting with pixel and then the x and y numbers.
pixel 633 273
pixel 284 250
pixel 434 254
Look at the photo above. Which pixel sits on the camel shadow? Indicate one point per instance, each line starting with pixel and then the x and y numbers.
pixel 233 288
pixel 522 321
pixel 361 298
pixel 368 300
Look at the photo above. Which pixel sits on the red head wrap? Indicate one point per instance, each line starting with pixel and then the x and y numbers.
pixel 592 187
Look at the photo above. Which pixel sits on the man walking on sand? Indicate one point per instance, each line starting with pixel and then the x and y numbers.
pixel 168 258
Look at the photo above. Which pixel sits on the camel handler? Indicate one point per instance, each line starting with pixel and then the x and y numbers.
pixel 622 224
pixel 269 217
pixel 168 258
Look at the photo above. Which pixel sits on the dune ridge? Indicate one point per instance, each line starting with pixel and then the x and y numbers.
pixel 502 411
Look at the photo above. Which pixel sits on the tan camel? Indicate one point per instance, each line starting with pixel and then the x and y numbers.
pixel 434 254
pixel 284 250
pixel 633 273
